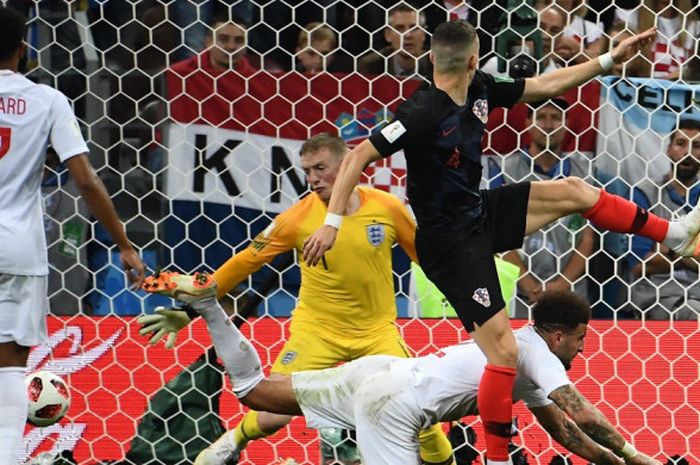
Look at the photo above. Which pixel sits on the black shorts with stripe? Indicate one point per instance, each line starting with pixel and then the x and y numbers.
pixel 460 263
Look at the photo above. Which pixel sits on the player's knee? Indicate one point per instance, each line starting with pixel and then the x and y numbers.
pixel 13 355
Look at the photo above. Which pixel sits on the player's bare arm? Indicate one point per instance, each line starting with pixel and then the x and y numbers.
pixel 275 395
pixel 93 191
pixel 594 424
pixel 559 81
pixel 348 177
pixel 569 435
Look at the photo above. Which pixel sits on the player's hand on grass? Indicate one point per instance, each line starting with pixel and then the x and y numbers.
pixel 629 47
pixel 318 243
pixel 165 320
pixel 133 267
pixel 642 459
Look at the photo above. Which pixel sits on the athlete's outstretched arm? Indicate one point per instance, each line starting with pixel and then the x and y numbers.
pixel 566 433
pixel 596 426
pixel 93 191
pixel 559 81
pixel 348 177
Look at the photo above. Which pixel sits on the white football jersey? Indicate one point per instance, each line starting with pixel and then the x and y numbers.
pixel 31 116
pixel 446 383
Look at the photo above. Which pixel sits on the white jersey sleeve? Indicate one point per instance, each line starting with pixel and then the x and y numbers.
pixel 65 136
pixel 539 371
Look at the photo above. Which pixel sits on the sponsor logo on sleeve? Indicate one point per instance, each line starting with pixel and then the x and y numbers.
pixel 393 131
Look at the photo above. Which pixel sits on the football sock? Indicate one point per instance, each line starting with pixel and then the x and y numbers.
pixel 435 448
pixel 240 359
pixel 13 411
pixel 248 430
pixel 616 214
pixel 495 402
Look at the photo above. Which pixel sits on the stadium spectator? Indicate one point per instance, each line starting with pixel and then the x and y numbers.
pixel 406 55
pixel 639 66
pixel 589 34
pixel 556 257
pixel 192 19
pixel 678 28
pixel 558 49
pixel 341 314
pixel 666 285
pixel 31 116
pixel 225 50
pixel 426 390
pixel 459 227
pixel 59 48
pixel 315 48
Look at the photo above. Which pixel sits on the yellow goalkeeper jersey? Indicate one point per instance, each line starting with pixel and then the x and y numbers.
pixel 352 290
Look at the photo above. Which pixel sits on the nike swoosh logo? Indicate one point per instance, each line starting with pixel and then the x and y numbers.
pixel 447 132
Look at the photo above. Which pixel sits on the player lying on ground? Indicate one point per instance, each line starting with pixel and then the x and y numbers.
pixel 388 400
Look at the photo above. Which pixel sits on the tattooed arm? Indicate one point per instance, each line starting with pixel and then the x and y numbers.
pixel 569 435
pixel 592 421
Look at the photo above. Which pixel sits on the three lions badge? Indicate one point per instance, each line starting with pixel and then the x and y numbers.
pixel 375 234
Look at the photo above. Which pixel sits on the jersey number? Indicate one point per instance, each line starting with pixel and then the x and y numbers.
pixel 5 136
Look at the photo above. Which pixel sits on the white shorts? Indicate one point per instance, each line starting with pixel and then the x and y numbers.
pixel 23 309
pixel 372 395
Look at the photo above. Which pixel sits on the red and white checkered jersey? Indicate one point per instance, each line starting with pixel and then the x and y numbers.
pixel 674 43
pixel 31 116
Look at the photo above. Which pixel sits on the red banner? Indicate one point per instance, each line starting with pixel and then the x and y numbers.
pixel 644 377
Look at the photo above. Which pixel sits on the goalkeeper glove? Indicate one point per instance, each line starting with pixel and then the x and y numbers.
pixel 165 320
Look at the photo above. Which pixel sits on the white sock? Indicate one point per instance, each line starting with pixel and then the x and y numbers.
pixel 240 359
pixel 495 462
pixel 677 236
pixel 14 405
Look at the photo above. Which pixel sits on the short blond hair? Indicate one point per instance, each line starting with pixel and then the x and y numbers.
pixel 333 143
pixel 316 32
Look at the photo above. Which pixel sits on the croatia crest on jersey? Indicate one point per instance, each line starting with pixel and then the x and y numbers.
pixel 375 234
pixel 481 296
pixel 481 110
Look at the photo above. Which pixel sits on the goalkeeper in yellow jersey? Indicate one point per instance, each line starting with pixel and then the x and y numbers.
pixel 346 307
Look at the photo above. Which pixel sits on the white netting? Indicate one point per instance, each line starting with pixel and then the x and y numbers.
pixel 199 160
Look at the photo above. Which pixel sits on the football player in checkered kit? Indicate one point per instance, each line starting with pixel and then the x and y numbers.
pixel 346 307
pixel 31 116
pixel 460 227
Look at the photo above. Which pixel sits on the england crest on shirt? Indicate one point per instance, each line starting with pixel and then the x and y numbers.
pixel 375 234
pixel 481 110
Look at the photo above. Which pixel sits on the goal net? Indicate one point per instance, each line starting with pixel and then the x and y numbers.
pixel 198 160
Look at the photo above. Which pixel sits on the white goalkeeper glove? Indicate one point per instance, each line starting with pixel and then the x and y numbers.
pixel 165 320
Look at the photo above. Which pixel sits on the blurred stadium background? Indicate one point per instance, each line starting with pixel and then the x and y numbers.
pixel 199 161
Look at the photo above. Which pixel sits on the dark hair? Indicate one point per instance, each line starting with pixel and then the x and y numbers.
pixel 450 41
pixel 685 123
pixel 459 33
pixel 226 19
pixel 406 8
pixel 558 102
pixel 561 310
pixel 335 144
pixel 14 29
